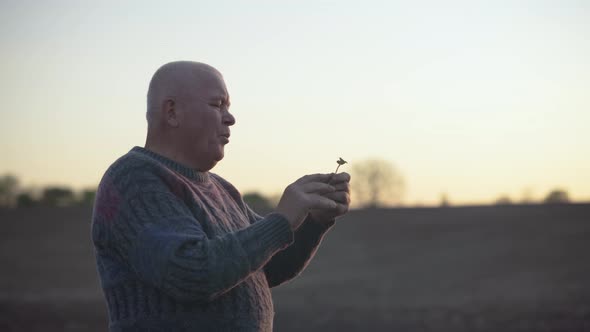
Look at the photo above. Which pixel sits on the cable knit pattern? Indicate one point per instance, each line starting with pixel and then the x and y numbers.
pixel 179 250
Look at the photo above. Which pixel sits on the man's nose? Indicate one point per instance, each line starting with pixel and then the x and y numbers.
pixel 228 119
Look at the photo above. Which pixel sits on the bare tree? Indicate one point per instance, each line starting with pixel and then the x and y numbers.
pixel 444 200
pixel 8 190
pixel 58 196
pixel 376 182
pixel 25 199
pixel 503 200
pixel 557 196
pixel 87 196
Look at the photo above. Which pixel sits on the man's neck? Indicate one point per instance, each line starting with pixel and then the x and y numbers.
pixel 164 149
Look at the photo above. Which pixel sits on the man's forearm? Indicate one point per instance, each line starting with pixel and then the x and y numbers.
pixel 290 262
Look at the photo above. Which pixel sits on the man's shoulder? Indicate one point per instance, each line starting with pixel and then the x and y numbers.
pixel 133 169
pixel 131 163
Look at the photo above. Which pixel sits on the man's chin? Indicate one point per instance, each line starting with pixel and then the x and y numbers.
pixel 216 160
pixel 220 155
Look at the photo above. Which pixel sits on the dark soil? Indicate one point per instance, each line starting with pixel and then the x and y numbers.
pixel 496 268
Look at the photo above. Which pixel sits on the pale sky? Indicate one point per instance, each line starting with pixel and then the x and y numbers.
pixel 474 99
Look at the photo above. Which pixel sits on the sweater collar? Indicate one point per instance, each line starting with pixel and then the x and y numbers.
pixel 174 165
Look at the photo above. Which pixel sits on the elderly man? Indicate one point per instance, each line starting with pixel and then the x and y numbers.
pixel 177 248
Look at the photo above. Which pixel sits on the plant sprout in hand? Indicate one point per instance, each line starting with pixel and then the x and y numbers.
pixel 340 163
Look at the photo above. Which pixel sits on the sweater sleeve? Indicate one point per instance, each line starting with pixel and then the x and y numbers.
pixel 159 238
pixel 290 262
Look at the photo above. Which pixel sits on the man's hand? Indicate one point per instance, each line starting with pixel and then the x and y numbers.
pixel 340 195
pixel 307 193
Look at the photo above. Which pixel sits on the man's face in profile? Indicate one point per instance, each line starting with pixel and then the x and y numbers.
pixel 206 120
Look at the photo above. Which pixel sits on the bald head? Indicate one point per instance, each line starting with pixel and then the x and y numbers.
pixel 178 81
pixel 188 114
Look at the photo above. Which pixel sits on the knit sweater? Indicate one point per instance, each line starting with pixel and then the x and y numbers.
pixel 179 250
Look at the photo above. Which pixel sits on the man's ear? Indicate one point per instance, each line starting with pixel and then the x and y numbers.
pixel 170 112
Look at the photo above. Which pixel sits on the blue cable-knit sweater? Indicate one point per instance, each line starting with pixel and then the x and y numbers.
pixel 179 250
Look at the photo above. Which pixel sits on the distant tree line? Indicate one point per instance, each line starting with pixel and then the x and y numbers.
pixel 12 195
pixel 375 183
pixel 555 196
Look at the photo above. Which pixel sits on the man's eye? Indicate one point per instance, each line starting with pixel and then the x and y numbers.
pixel 218 105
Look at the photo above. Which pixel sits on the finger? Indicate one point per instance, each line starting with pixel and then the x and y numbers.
pixel 318 177
pixel 340 177
pixel 317 188
pixel 339 197
pixel 339 210
pixel 342 209
pixel 321 202
pixel 342 186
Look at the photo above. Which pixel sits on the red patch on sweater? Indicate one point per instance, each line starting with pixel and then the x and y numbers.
pixel 175 184
pixel 108 200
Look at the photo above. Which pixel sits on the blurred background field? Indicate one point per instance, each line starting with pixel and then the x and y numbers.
pixel 477 268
